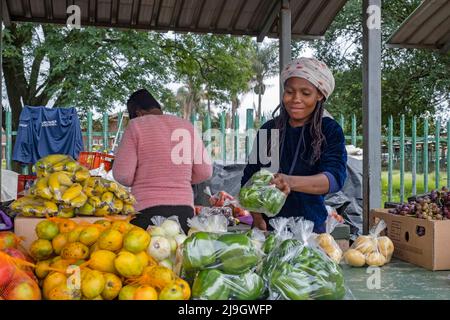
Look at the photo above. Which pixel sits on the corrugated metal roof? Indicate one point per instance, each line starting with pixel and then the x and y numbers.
pixel 310 18
pixel 427 27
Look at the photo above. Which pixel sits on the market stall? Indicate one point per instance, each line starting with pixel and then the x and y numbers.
pixel 216 260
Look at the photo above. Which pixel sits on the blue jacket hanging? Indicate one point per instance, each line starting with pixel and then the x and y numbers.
pixel 43 131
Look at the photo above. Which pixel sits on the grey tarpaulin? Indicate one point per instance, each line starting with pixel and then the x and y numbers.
pixel 347 202
pixel 225 178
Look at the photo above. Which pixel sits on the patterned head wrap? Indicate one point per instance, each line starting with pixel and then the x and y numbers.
pixel 312 70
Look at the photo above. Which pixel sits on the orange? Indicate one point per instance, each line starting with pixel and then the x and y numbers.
pixel 145 293
pixel 186 288
pixel 66 225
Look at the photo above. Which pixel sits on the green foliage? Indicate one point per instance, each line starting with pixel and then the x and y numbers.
pixel 98 68
pixel 264 65
pixel 414 81
pixel 210 66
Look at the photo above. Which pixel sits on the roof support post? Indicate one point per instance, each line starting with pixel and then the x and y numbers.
pixel 371 108
pixel 1 94
pixel 5 14
pixel 285 37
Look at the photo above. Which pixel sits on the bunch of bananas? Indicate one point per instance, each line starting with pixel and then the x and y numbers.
pixel 65 188
pixel 105 197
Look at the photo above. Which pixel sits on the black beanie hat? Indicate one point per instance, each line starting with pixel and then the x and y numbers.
pixel 141 100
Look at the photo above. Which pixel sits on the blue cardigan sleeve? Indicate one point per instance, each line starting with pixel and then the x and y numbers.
pixel 333 159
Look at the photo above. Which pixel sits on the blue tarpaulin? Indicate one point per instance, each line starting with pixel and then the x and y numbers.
pixel 43 131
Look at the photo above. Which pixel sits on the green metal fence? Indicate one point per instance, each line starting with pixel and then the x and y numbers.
pixel 409 159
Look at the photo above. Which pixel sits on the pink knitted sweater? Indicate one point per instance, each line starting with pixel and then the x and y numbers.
pixel 159 157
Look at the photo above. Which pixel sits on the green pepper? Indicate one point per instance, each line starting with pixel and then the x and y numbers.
pixel 328 290
pixel 287 250
pixel 273 200
pixel 270 243
pixel 248 286
pixel 199 251
pixel 259 196
pixel 262 177
pixel 250 198
pixel 210 285
pixel 328 278
pixel 236 253
pixel 290 249
pixel 292 284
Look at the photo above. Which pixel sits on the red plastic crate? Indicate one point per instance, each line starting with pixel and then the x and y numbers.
pixel 93 160
pixel 24 182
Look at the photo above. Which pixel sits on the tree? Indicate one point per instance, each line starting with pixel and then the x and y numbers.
pixel 91 69
pixel 414 81
pixel 222 64
pixel 190 98
pixel 264 65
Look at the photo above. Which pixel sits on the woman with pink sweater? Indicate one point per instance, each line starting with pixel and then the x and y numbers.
pixel 160 157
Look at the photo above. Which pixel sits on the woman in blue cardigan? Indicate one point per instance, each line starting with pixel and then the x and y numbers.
pixel 312 154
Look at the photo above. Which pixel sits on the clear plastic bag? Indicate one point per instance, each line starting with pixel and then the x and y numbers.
pixel 221 265
pixel 326 241
pixel 372 249
pixel 232 253
pixel 167 236
pixel 219 199
pixel 258 195
pixel 212 284
pixel 227 212
pixel 295 269
pixel 208 223
pixel 223 199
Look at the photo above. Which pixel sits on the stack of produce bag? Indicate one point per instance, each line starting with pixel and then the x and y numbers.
pixel 104 260
pixel 64 188
pixel 373 249
pixel 258 195
pixel 221 265
pixel 295 269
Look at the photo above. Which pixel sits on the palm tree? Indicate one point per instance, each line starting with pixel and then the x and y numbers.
pixel 265 65
pixel 190 97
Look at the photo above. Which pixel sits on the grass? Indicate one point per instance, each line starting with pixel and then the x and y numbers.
pixel 408 184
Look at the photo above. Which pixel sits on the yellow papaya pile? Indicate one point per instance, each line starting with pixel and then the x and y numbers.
pixel 105 260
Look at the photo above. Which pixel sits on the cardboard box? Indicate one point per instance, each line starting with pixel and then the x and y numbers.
pixel 418 241
pixel 25 227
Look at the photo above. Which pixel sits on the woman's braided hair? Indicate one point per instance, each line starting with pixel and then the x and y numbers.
pixel 315 121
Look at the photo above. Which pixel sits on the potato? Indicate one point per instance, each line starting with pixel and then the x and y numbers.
pixel 365 244
pixel 335 255
pixel 354 258
pixel 385 247
pixel 376 259
pixel 325 240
